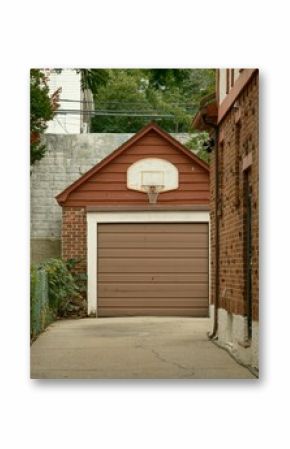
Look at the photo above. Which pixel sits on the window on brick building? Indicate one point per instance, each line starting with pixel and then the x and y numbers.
pixel 221 178
pixel 227 81
pixel 237 164
pixel 232 77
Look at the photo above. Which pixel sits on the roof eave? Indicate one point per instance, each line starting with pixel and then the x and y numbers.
pixel 206 117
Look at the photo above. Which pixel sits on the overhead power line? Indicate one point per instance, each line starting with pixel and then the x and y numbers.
pixel 114 113
pixel 66 100
pixel 188 106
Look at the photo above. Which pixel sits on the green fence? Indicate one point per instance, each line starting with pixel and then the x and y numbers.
pixel 40 312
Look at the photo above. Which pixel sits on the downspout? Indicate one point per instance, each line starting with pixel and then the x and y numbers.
pixel 213 334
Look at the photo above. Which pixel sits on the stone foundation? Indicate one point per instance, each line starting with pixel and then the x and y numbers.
pixel 233 336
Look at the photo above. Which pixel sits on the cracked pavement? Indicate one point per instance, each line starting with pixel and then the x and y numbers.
pixel 131 348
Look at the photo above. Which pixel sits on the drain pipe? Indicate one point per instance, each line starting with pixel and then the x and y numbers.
pixel 213 334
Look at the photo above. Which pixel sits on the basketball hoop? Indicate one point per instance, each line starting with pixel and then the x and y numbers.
pixel 153 192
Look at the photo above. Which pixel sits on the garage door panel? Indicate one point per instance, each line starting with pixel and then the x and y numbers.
pixel 161 265
pixel 146 228
pixel 149 290
pixel 153 277
pixel 156 240
pixel 152 253
pixel 153 302
pixel 201 312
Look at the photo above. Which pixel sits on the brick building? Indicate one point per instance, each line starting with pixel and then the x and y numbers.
pixel 232 120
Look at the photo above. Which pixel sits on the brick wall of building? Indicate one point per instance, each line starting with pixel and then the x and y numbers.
pixel 74 236
pixel 238 137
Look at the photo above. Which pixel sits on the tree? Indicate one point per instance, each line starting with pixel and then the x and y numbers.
pixel 92 79
pixel 136 96
pixel 42 110
pixel 123 94
pixel 196 143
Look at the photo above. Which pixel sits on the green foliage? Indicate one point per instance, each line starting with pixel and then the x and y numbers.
pixel 72 263
pixel 79 278
pixel 93 79
pixel 196 143
pixel 61 286
pixel 121 92
pixel 42 109
pixel 163 78
pixel 137 95
pixel 53 292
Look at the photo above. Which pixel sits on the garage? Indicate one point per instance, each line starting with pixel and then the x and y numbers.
pixel 138 221
pixel 153 269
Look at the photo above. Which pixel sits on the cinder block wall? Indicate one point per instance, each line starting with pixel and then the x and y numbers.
pixel 68 156
pixel 238 140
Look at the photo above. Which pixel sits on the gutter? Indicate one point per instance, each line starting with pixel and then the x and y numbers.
pixel 213 334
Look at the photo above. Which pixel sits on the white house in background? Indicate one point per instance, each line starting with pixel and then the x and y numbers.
pixel 73 115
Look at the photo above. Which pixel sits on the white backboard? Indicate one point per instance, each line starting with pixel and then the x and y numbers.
pixel 152 171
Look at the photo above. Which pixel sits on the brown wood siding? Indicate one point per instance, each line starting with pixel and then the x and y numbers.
pixel 153 269
pixel 109 185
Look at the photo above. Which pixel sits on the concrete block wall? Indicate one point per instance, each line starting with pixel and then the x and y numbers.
pixel 68 156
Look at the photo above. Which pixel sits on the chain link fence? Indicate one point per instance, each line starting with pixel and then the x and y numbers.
pixel 40 313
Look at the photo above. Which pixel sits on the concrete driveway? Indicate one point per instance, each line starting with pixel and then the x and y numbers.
pixel 131 348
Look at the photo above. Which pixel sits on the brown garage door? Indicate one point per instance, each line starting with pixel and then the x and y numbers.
pixel 153 269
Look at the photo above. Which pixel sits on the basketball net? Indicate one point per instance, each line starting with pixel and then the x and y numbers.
pixel 153 192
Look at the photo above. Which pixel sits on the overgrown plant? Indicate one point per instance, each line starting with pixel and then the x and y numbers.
pixel 79 278
pixel 196 144
pixel 62 288
pixel 55 291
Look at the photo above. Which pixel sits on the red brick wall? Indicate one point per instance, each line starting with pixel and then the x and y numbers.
pixel 238 139
pixel 74 236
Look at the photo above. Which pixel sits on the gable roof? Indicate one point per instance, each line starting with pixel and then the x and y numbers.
pixel 61 197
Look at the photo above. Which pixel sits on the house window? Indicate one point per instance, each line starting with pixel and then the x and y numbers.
pixel 232 77
pixel 227 81
pixel 237 165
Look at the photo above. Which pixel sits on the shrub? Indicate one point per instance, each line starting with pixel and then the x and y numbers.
pixel 62 288
pixel 79 278
pixel 54 291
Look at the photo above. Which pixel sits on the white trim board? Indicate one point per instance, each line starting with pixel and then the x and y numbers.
pixel 93 218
